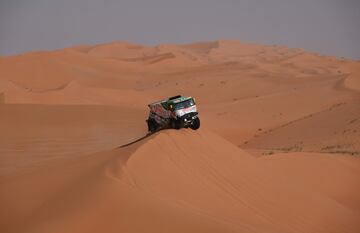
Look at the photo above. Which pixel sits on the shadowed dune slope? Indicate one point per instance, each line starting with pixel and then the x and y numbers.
pixel 173 181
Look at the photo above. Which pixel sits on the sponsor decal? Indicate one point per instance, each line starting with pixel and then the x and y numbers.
pixel 184 111
pixel 159 110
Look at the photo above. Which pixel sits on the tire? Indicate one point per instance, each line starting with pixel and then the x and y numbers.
pixel 152 125
pixel 195 124
pixel 175 124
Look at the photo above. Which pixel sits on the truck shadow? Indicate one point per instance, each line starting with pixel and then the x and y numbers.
pixel 144 137
pixel 136 140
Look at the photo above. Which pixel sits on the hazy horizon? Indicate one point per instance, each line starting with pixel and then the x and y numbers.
pixel 328 27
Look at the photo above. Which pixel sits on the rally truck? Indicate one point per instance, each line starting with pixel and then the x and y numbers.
pixel 175 112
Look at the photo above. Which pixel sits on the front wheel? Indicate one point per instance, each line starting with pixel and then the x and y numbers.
pixel 195 124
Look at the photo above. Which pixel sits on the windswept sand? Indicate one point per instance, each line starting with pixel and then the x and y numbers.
pixel 278 149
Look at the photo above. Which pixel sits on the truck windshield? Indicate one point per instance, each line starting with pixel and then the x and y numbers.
pixel 184 104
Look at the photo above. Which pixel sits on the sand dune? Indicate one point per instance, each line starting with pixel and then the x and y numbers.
pixel 353 80
pixel 278 150
pixel 334 130
pixel 2 98
pixel 188 184
pixel 341 172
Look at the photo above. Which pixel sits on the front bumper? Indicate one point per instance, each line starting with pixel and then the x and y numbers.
pixel 188 118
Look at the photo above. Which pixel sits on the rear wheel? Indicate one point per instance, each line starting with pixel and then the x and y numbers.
pixel 175 124
pixel 152 125
pixel 195 124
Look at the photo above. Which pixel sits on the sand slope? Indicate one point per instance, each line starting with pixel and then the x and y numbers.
pixel 188 184
pixel 277 151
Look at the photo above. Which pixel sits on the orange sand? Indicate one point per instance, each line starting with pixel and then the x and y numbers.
pixel 278 149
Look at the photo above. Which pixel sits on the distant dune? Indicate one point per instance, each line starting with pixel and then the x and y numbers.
pixel 278 149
